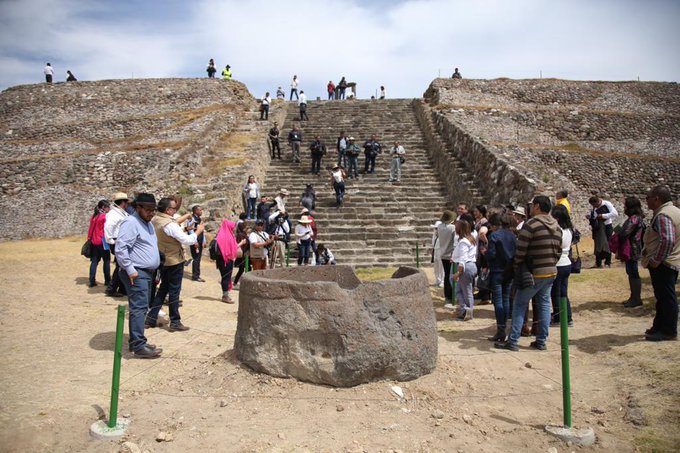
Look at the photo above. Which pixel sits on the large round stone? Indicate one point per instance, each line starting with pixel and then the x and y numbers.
pixel 322 324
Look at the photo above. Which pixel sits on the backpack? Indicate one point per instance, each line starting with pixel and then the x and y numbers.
pixel 214 250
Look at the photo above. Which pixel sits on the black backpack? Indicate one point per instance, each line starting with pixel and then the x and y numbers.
pixel 214 250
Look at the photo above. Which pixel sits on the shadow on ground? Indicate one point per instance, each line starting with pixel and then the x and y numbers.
pixel 605 342
pixel 106 341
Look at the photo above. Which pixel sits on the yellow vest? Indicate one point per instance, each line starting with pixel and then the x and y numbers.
pixel 564 202
pixel 226 74
pixel 170 247
pixel 652 238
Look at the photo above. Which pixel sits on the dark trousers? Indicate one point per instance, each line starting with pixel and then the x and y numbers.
pixel 251 209
pixel 559 290
pixel 369 163
pixel 226 270
pixel 632 269
pixel 664 280
pixel 276 146
pixel 303 112
pixel 48 78
pixel 196 263
pixel 241 264
pixel 339 192
pixel 171 284
pixel 116 285
pixel 98 253
pixel 448 291
pixel 139 296
pixel 606 256
pixel 316 163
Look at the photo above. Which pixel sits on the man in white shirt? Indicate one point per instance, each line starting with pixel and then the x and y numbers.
pixel 114 219
pixel 603 213
pixel 49 72
pixel 264 108
pixel 171 243
pixel 302 104
pixel 280 229
pixel 293 88
pixel 259 243
pixel 396 153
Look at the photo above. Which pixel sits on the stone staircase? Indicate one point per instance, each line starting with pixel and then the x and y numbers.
pixel 380 222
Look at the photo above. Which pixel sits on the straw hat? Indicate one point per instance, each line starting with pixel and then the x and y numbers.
pixel 283 192
pixel 120 196
pixel 448 217
pixel 305 219
pixel 436 224
pixel 521 211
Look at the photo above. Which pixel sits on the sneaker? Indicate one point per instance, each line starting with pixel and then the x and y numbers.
pixel 633 304
pixel 467 314
pixel 448 306
pixel 658 336
pixel 227 300
pixel 506 345
pixel 539 346
pixel 570 323
pixel 198 279
pixel 177 327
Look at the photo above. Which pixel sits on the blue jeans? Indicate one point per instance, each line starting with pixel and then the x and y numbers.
pixel 353 162
pixel 293 91
pixel 466 283
pixel 196 256
pixel 500 295
pixel 664 280
pixel 339 192
pixel 369 163
pixel 632 269
pixel 138 301
pixel 540 290
pixel 98 253
pixel 171 283
pixel 251 211
pixel 303 251
pixel 342 159
pixel 559 290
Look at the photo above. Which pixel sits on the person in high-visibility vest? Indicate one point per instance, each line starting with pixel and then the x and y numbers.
pixel 226 73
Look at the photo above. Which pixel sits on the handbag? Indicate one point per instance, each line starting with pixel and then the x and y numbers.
pixel 576 263
pixel 86 249
pixel 483 280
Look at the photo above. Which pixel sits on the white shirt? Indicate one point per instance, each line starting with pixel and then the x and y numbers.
pixel 566 246
pixel 282 229
pixel 266 100
pixel 382 93
pixel 294 83
pixel 397 151
pixel 280 203
pixel 343 143
pixel 303 99
pixel 253 190
pixel 114 219
pixel 48 70
pixel 464 252
pixel 174 230
pixel 610 216
pixel 303 232
pixel 280 94
pixel 337 176
pixel 257 238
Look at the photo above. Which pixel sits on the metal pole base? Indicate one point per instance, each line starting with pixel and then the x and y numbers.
pixel 583 436
pixel 100 429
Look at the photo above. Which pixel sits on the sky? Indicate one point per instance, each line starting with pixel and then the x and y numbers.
pixel 402 45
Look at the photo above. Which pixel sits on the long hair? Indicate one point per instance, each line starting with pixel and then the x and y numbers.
pixel 464 230
pixel 632 206
pixel 560 214
pixel 100 207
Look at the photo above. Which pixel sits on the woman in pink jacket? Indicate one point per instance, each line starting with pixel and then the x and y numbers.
pixel 96 235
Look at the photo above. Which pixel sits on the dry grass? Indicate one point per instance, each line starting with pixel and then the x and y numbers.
pixel 370 274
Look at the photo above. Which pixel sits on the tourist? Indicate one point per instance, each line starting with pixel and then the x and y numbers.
pixel 241 233
pixel 264 106
pixel 264 206
pixel 302 105
pixel 279 229
pixel 456 74
pixel 560 287
pixel 352 153
pixel 196 249
pixel 259 242
pixel 114 218
pixel 293 88
pixel 331 90
pixel 371 150
pixel 601 217
pixel 462 209
pixel 226 242
pixel 340 89
pixel 446 232
pixel 341 146
pixel 438 268
pixel 308 198
pixel 280 94
pixel 324 256
pixel 338 176
pixel 315 232
pixel 280 200
pixel 318 149
pixel 520 216
pixel 138 255
pixel 252 191
pixel 499 255
pixel 561 198
pixel 382 92
pixel 70 77
pixel 226 73
pixel 274 135
pixel 211 69
pixel 303 234
pixel 99 251
pixel 397 153
pixel 481 228
pixel 294 140
pixel 49 72
pixel 539 247
pixel 464 256
pixel 630 248
pixel 661 255
pixel 171 243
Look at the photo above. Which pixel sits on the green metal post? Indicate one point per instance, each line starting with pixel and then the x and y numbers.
pixel 566 384
pixel 247 263
pixel 417 256
pixel 454 269
pixel 117 354
pixel 287 256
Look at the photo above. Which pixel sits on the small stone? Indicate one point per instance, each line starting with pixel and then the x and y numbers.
pixel 552 450
pixel 160 437
pixel 282 436
pixel 129 447
pixel 437 414
pixel 169 437
pixel 223 403
pixel 397 391
pixel 596 410
pixel 339 408
pixel 527 365
pixel 467 419
pixel 437 423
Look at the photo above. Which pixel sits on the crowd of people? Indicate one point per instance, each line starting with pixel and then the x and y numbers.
pixel 519 255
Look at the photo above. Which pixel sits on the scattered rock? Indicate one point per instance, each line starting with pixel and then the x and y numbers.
pixel 467 419
pixel 397 391
pixel 527 365
pixel 161 436
pixel 552 450
pixel 223 403
pixel 129 447
pixel 339 408
pixel 438 414
pixel 596 410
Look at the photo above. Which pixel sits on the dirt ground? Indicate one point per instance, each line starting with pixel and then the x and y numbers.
pixel 56 359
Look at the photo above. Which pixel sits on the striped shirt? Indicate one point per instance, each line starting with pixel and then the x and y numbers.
pixel 663 225
pixel 539 246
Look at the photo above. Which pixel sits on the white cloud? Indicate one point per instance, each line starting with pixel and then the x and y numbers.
pixel 402 45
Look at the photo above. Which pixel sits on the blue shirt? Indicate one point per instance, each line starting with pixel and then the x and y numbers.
pixel 136 246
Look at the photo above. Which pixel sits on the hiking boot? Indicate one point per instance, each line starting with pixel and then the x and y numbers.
pixel 500 335
pixel 632 304
pixel 658 336
pixel 177 327
pixel 537 345
pixel 148 353
pixel 152 346
pixel 506 345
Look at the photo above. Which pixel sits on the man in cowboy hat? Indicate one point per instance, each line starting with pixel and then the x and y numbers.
pixel 447 238
pixel 114 219
pixel 138 256
pixel 303 233
pixel 520 216
pixel 280 200
pixel 338 176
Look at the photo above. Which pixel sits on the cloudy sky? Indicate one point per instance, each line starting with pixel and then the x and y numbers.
pixel 400 44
